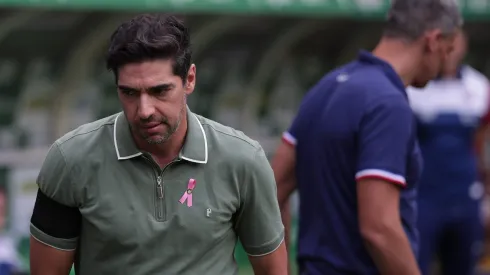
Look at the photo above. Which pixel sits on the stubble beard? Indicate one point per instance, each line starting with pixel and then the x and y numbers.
pixel 172 128
pixel 165 136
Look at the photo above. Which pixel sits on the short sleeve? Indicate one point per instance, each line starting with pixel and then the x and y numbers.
pixel 304 115
pixel 290 136
pixel 54 179
pixel 56 219
pixel 259 224
pixel 385 134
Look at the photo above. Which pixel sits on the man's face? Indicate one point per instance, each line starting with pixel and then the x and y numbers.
pixel 457 55
pixel 153 98
pixel 436 51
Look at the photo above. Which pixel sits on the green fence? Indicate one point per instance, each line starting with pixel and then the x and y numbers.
pixel 472 9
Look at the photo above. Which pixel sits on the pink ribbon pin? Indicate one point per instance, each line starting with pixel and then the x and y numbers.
pixel 188 193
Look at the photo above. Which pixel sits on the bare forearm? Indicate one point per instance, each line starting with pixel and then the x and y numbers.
pixel 286 221
pixel 47 260
pixel 283 165
pixel 274 263
pixel 284 191
pixel 392 253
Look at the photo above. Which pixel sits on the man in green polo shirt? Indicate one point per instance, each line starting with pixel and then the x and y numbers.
pixel 155 189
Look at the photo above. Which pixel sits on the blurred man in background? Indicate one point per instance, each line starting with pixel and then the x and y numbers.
pixel 451 110
pixel 352 153
pixel 9 258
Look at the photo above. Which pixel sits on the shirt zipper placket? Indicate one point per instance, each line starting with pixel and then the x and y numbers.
pixel 160 194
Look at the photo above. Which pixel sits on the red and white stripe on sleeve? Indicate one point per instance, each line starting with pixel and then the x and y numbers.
pixel 289 139
pixel 382 175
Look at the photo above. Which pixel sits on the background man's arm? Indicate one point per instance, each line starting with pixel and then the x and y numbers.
pixel 283 165
pixel 385 139
pixel 259 224
pixel 56 219
pixel 286 221
pixel 481 139
pixel 381 229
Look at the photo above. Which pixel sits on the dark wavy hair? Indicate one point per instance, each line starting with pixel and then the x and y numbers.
pixel 149 37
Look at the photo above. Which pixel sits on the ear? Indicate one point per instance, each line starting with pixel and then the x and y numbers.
pixel 190 82
pixel 432 40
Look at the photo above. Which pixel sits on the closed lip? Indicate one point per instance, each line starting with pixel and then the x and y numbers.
pixel 150 125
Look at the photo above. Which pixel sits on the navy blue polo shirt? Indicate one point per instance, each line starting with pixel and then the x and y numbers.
pixel 355 123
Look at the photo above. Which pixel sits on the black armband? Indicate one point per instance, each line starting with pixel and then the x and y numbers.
pixel 55 219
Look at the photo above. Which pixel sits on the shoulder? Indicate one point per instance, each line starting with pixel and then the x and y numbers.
pixel 235 154
pixel 375 82
pixel 353 83
pixel 331 79
pixel 474 80
pixel 477 88
pixel 372 89
pixel 62 175
pixel 227 143
pixel 473 74
pixel 87 137
pixel 365 82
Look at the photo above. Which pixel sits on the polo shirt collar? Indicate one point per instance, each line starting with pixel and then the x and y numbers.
pixel 195 147
pixel 458 76
pixel 123 140
pixel 369 58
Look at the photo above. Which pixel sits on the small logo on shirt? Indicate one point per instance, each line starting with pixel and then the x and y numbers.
pixel 342 77
pixel 208 212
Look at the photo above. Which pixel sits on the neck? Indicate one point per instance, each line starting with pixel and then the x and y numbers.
pixel 169 149
pixel 450 72
pixel 403 57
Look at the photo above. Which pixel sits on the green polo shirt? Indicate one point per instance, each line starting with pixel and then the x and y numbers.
pixel 132 219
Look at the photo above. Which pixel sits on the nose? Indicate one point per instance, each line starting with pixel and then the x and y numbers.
pixel 145 108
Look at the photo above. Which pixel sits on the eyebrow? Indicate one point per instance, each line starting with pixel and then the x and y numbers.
pixel 166 86
pixel 126 88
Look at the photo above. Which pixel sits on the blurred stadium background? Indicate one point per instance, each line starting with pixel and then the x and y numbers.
pixel 255 60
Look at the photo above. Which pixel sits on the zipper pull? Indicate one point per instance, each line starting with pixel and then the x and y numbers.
pixel 160 187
